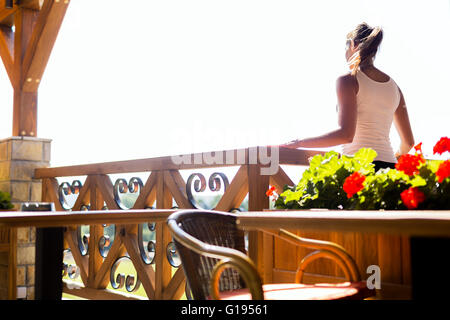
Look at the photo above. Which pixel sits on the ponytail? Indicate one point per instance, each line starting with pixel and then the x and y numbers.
pixel 368 39
pixel 369 46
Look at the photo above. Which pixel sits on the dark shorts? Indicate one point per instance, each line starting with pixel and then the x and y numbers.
pixel 383 165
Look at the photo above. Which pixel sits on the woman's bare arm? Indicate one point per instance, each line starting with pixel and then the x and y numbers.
pixel 403 126
pixel 347 88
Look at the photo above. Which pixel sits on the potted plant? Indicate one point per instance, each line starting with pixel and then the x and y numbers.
pixel 5 201
pixel 335 181
pixel 341 182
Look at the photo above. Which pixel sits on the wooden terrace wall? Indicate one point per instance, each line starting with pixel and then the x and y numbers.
pixel 274 257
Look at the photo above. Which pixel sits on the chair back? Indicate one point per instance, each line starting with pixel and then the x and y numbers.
pixel 192 231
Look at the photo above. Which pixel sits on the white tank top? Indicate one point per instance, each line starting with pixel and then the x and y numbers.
pixel 376 104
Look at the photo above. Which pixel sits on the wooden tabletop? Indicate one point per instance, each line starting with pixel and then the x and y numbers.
pixel 413 223
pixel 58 219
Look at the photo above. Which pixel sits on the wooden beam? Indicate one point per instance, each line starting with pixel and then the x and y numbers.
pixel 7 15
pixel 177 187
pixel 6 53
pixel 42 42
pixel 146 272
pixel 25 104
pixel 76 289
pixel 31 4
pixel 236 192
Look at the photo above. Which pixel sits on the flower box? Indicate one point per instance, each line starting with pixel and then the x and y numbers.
pixel 350 182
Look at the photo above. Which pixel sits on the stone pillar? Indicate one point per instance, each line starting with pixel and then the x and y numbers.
pixel 19 157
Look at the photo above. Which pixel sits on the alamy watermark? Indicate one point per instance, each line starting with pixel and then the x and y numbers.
pixel 267 157
pixel 374 281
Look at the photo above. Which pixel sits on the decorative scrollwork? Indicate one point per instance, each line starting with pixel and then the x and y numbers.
pixel 106 240
pixel 199 181
pixel 131 282
pixel 67 191
pixel 83 239
pixel 147 246
pixel 172 255
pixel 70 270
pixel 122 187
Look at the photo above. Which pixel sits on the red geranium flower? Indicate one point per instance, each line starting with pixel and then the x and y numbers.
pixel 442 145
pixel 354 184
pixel 412 197
pixel 443 171
pixel 418 148
pixel 409 163
pixel 270 191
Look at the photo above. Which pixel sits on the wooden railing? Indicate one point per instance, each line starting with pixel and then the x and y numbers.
pixel 164 185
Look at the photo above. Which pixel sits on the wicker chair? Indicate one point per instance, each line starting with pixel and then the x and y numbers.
pixel 212 252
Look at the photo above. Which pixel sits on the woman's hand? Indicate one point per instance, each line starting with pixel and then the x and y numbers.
pixel 294 144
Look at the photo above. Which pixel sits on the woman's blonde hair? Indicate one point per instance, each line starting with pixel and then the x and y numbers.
pixel 368 39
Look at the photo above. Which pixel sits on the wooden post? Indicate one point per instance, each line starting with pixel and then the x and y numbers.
pixel 163 269
pixel 95 233
pixel 25 51
pixel 25 103
pixel 257 201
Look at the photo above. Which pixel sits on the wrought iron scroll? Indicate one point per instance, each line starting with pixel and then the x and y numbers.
pixel 172 255
pixel 199 184
pixel 67 190
pixel 130 282
pixel 122 187
pixel 147 247
pixel 106 240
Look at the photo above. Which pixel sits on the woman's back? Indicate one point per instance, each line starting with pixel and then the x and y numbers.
pixel 377 100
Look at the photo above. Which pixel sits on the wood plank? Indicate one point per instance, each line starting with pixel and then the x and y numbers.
pixel 148 193
pixel 389 258
pixel 155 164
pixel 236 192
pixel 347 241
pixel 177 187
pixel 406 260
pixel 7 14
pixel 95 233
pixel 75 289
pixel 280 179
pixel 81 261
pixel 145 272
pixel 50 193
pixel 397 222
pixel 117 250
pixel 5 51
pixel 366 251
pixel 268 258
pixel 25 103
pixel 30 4
pixel 175 288
pixel 42 42
pixel 257 200
pixel 76 218
pixel 163 268
pixel 30 50
pixel 84 195
pixel 106 189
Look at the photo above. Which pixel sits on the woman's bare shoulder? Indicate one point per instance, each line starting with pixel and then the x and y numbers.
pixel 347 81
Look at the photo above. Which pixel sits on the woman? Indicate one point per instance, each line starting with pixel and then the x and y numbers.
pixel 368 102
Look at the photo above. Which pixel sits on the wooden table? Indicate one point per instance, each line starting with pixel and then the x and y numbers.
pixel 429 233
pixel 49 241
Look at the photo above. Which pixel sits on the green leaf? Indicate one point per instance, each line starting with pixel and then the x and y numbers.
pixel 418 181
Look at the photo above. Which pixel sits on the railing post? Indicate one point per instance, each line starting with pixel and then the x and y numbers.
pixel 95 233
pixel 257 201
pixel 163 269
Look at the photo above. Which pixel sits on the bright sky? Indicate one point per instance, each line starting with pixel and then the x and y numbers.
pixel 141 79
